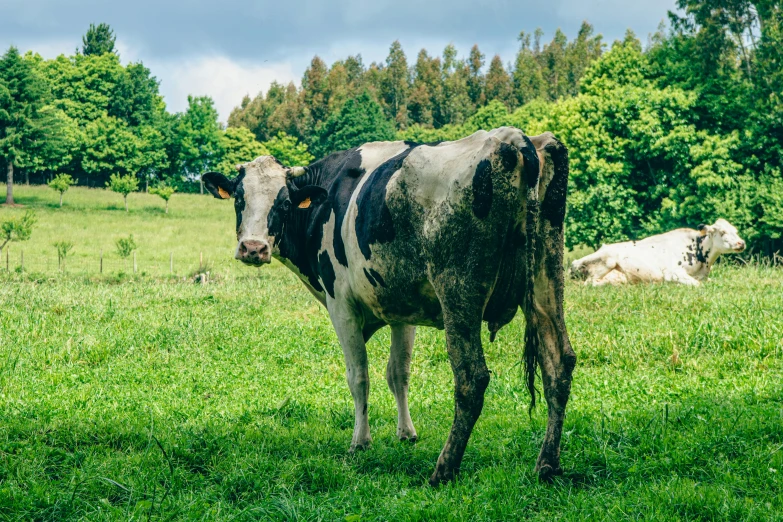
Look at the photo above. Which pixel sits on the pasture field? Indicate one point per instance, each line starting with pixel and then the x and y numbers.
pixel 148 398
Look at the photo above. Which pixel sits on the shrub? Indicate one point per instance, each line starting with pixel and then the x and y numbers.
pixel 123 185
pixel 125 246
pixel 61 183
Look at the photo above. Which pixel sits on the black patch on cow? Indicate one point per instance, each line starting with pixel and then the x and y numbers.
pixel 482 189
pixel 239 196
pixel 532 167
pixel 374 221
pixel 378 277
pixel 700 254
pixel 339 173
pixel 553 208
pixel 370 278
pixel 278 214
pixel 509 156
pixel 326 271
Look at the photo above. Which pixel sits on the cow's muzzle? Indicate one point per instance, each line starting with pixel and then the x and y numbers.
pixel 740 246
pixel 254 252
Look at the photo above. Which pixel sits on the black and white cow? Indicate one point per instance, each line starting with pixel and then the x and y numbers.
pixel 683 256
pixel 405 234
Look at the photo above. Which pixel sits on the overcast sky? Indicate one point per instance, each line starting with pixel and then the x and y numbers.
pixel 229 48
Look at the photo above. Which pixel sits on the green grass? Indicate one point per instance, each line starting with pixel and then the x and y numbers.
pixel 155 399
pixel 93 219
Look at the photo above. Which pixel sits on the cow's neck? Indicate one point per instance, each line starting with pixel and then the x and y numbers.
pixel 295 252
pixel 706 253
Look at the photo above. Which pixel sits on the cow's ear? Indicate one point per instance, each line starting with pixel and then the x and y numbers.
pixel 308 196
pixel 704 229
pixel 218 185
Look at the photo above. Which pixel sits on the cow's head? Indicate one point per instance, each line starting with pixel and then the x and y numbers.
pixel 264 200
pixel 724 236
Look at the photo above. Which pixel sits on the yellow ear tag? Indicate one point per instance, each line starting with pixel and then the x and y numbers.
pixel 305 203
pixel 223 193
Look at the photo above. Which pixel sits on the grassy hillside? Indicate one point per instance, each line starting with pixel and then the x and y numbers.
pixel 93 219
pixel 160 400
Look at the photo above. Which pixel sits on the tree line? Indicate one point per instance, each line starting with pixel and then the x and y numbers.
pixel 683 129
pixel 91 117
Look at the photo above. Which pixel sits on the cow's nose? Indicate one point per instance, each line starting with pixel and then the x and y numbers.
pixel 741 245
pixel 254 251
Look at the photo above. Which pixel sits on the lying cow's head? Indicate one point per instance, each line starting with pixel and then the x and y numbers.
pixel 724 236
pixel 264 200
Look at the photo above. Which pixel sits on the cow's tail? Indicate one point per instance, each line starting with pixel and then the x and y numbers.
pixel 531 173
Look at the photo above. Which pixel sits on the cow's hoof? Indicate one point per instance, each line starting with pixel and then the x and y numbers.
pixel 546 472
pixel 359 446
pixel 409 438
pixel 441 476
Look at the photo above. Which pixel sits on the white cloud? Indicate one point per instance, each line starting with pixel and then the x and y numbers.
pixel 220 77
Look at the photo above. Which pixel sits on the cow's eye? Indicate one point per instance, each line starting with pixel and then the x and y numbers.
pixel 286 205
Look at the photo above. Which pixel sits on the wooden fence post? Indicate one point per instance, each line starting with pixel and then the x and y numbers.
pixel 101 260
pixel 7 263
pixel 134 261
pixel 201 261
pixel 21 260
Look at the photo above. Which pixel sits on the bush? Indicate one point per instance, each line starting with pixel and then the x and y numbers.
pixel 165 192
pixel 123 185
pixel 125 246
pixel 17 229
pixel 61 183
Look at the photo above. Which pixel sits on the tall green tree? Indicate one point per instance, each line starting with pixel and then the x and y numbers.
pixel 476 78
pixel 239 145
pixel 359 121
pixel 199 134
pixel 23 120
pixel 498 84
pixel 395 84
pixel 98 40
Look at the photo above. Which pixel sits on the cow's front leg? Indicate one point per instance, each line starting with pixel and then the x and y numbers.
pixel 348 325
pixel 397 375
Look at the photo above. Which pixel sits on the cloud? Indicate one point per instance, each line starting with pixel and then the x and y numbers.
pixel 220 77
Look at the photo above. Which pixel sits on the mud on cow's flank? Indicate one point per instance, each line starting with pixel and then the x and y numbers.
pixel 442 234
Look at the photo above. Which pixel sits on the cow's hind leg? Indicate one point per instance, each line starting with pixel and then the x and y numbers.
pixel 397 375
pixel 462 311
pixel 349 332
pixel 546 337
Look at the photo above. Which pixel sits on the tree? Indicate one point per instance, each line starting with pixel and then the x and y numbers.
pixel 476 79
pixel 165 192
pixel 239 146
pixel 110 146
pixel 98 40
pixel 63 249
pixel 360 120
pixel 17 229
pixel 395 84
pixel 125 246
pixel 123 185
pixel 61 183
pixel 288 150
pixel 199 134
pixel 23 95
pixel 498 84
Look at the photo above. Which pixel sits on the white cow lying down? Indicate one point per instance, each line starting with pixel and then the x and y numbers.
pixel 683 256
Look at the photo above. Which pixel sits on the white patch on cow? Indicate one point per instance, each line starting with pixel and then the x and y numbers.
pixel 264 178
pixel 682 256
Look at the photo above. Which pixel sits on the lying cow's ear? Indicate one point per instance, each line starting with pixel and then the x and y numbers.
pixel 220 186
pixel 308 196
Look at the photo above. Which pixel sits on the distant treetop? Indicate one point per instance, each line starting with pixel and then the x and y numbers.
pixel 98 40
